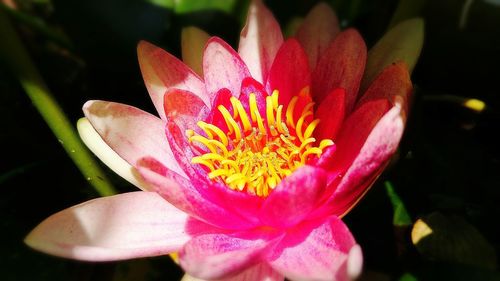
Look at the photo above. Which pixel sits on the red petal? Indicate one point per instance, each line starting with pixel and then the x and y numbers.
pixel 394 81
pixel 180 104
pixel 317 31
pixel 290 71
pixel 355 130
pixel 331 115
pixel 223 97
pixel 369 153
pixel 341 66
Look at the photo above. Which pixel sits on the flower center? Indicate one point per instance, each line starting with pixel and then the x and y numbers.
pixel 256 152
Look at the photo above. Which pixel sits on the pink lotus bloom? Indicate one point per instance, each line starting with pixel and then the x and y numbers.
pixel 253 160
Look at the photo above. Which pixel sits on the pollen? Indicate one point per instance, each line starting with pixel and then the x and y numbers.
pixel 257 151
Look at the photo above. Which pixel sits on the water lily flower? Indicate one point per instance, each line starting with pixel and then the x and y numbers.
pixel 253 159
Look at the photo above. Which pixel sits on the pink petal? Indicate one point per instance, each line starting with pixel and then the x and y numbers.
pixel 260 40
pixel 162 71
pixel 289 73
pixel 369 162
pixel 125 226
pixel 131 132
pixel 108 156
pixel 294 198
pixel 223 68
pixel 353 134
pixel 260 272
pixel 184 106
pixel 315 251
pixel 394 81
pixel 189 198
pixel 341 66
pixel 216 256
pixel 355 262
pixel 241 203
pixel 317 31
pixel 331 112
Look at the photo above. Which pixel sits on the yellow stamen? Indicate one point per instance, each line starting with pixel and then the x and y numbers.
pixel 310 129
pixel 255 154
pixel 230 122
pixel 289 112
pixel 253 106
pixel 269 111
pixel 242 113
pixel 210 130
pixel 275 96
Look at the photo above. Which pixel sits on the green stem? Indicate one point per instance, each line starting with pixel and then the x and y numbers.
pixel 14 54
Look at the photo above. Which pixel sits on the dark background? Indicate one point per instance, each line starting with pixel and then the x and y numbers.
pixel 447 171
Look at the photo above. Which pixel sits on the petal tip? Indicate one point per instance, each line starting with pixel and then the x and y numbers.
pixel 355 262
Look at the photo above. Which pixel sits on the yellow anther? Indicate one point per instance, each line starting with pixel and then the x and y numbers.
pixel 253 106
pixel 230 122
pixel 260 123
pixel 204 141
pixel 298 129
pixel 242 113
pixel 211 156
pixel 269 111
pixel 312 150
pixel 227 118
pixel 274 96
pixel 307 109
pixel 307 142
pixel 220 146
pixel 234 177
pixel 217 173
pixel 189 133
pixel 210 129
pixel 325 143
pixel 289 112
pixel 310 129
pixel 234 101
pixel 200 160
pixel 279 123
pixel 232 163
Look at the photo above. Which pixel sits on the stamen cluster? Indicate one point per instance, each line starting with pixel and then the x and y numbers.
pixel 255 153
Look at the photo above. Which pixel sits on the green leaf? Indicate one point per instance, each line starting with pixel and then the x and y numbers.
pixel 449 238
pixel 407 277
pixel 168 4
pixel 189 6
pixel 401 216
